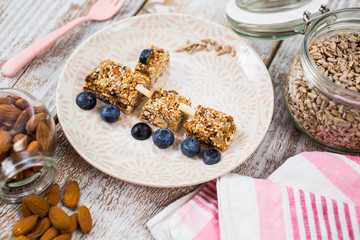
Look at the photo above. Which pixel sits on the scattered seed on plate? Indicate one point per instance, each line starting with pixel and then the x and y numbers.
pixel 207 45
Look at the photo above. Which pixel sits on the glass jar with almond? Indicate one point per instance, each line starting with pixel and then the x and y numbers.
pixel 27 145
pixel 323 87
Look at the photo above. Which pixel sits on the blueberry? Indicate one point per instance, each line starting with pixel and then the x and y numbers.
pixel 141 131
pixel 110 113
pixel 145 55
pixel 211 156
pixel 163 138
pixel 86 100
pixel 190 147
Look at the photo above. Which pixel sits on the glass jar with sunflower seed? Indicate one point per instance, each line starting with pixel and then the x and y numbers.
pixel 323 86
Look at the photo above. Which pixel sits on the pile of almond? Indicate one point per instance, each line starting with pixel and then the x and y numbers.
pixel 44 220
pixel 25 130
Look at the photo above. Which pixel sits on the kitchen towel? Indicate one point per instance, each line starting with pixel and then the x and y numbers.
pixel 308 179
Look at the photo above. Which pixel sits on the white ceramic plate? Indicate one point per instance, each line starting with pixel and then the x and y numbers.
pixel 239 86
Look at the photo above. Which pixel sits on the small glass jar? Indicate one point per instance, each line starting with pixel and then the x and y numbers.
pixel 27 146
pixel 321 106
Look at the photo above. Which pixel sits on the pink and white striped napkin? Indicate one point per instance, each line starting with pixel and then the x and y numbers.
pixel 313 195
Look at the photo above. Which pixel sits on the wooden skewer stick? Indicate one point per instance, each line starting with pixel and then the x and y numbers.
pixel 187 109
pixel 143 90
pixel 182 107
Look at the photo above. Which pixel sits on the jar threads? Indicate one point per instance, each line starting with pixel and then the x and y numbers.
pixel 14 192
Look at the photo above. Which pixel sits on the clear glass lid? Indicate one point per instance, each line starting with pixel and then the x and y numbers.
pixel 271 19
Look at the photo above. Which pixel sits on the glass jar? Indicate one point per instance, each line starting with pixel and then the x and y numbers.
pixel 322 95
pixel 271 19
pixel 27 146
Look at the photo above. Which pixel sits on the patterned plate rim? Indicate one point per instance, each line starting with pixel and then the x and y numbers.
pixel 108 171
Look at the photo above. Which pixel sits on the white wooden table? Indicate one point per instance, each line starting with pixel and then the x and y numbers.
pixel 120 209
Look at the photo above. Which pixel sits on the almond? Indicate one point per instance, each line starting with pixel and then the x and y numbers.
pixel 43 137
pixel 33 148
pixel 37 169
pixel 20 142
pixel 23 119
pixel 22 103
pixel 40 228
pixel 25 210
pixel 34 121
pixel 8 123
pixel 29 172
pixel 25 225
pixel 20 137
pixel 7 100
pixel 17 177
pixel 9 112
pixel 71 195
pixel 5 141
pixel 73 225
pixel 50 234
pixel 58 218
pixel 21 238
pixel 66 236
pixel 37 205
pixel 52 195
pixel 14 97
pixel 40 109
pixel 84 219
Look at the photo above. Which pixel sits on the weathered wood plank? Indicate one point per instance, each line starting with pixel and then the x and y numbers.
pixel 121 209
pixel 23 22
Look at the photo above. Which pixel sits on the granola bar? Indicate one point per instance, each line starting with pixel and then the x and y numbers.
pixel 115 84
pixel 211 127
pixel 155 65
pixel 162 109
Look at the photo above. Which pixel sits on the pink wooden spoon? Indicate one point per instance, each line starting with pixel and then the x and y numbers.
pixel 100 11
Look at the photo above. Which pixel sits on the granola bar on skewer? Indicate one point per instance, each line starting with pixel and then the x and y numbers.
pixel 152 62
pixel 162 109
pixel 211 127
pixel 115 83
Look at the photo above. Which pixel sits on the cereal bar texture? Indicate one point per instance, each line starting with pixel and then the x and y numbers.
pixel 211 127
pixel 115 84
pixel 156 64
pixel 162 109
